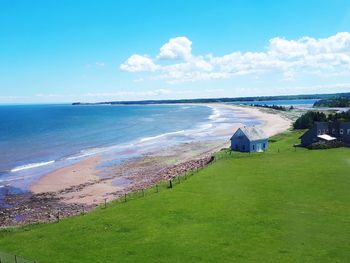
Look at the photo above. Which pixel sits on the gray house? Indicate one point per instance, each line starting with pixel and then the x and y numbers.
pixel 327 132
pixel 249 139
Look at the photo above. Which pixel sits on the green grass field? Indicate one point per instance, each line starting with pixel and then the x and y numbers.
pixel 286 206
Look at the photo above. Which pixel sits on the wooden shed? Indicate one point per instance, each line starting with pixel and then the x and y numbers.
pixel 249 139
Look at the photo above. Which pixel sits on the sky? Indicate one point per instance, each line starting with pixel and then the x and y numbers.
pixel 67 51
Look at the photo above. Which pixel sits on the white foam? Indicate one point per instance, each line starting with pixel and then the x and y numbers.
pixel 146 139
pixel 17 178
pixel 216 114
pixel 30 166
pixel 95 151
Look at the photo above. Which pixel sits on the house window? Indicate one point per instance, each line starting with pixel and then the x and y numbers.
pixel 236 146
pixel 243 147
pixel 263 145
pixel 324 131
pixel 253 147
pixel 319 132
pixel 333 131
pixel 348 131
pixel 327 131
pixel 341 131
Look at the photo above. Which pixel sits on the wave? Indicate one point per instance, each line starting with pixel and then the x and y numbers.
pixel 10 179
pixel 216 114
pixel 98 150
pixel 30 166
pixel 87 152
pixel 146 139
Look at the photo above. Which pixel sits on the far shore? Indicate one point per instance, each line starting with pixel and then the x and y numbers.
pixel 84 184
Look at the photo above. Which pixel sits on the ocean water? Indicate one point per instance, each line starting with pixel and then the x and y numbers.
pixel 36 139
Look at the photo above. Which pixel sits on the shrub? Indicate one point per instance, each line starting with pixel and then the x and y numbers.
pixel 306 121
pixel 342 116
pixel 326 145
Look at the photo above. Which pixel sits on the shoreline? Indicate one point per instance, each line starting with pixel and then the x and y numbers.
pixel 85 185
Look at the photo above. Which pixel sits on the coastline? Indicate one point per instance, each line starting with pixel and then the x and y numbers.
pixel 87 184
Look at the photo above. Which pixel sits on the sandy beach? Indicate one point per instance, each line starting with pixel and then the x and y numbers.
pixel 96 188
pixel 88 183
pixel 272 124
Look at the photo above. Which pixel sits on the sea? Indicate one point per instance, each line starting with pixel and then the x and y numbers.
pixel 37 139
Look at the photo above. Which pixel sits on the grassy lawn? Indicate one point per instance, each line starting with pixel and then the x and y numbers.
pixel 286 206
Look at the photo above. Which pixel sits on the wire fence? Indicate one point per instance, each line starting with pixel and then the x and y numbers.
pixel 11 258
pixel 158 187
pixel 174 181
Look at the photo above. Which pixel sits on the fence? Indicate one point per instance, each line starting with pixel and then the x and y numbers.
pixel 162 185
pixel 10 258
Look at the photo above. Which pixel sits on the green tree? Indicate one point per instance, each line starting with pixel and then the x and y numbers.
pixel 306 121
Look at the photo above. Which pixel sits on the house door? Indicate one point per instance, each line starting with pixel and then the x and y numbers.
pixel 258 147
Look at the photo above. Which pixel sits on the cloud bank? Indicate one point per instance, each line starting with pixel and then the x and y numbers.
pixel 175 61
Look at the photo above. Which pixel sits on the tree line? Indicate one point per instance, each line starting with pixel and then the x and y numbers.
pixel 307 120
pixel 340 102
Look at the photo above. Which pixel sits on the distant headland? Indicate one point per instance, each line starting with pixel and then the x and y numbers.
pixel 222 100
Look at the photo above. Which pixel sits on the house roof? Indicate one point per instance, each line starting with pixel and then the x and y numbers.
pixel 326 137
pixel 253 133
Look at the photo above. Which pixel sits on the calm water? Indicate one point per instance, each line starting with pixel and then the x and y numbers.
pixel 35 139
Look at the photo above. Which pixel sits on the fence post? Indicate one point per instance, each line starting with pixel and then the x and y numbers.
pixel 105 202
pixel 171 184
pixel 156 192
pixel 125 198
pixel 58 216
pixel 143 193
pixel 15 259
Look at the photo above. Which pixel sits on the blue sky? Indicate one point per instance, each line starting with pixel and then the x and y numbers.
pixel 63 51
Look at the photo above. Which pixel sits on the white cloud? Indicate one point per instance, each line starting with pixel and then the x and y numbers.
pixel 324 56
pixel 99 64
pixel 137 63
pixel 176 48
pixel 190 70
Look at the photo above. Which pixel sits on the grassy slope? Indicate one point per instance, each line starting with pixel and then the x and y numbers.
pixel 271 207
